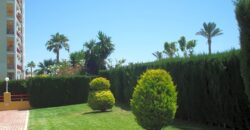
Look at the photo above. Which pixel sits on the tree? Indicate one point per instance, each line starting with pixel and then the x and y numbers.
pixel 31 65
pixel 170 49
pixel 243 16
pixel 190 47
pixel 56 43
pixel 209 31
pixel 183 44
pixel 97 52
pixel 77 58
pixel 44 66
pixel 158 55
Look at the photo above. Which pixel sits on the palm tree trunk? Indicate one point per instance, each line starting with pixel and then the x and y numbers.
pixel 31 71
pixel 209 45
pixel 57 56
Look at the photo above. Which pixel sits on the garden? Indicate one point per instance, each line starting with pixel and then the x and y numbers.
pixel 188 92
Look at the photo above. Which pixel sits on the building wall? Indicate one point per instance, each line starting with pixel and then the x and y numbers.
pixel 11 39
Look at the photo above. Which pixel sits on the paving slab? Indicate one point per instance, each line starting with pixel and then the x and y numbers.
pixel 14 119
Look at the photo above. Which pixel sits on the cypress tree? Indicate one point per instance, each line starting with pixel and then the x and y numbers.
pixel 243 17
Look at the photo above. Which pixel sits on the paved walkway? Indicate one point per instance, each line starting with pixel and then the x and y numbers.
pixel 14 120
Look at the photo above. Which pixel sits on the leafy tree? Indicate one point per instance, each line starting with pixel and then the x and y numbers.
pixel 158 55
pixel 119 63
pixel 209 31
pixel 170 49
pixel 183 44
pixel 31 65
pixel 56 43
pixel 44 66
pixel 243 16
pixel 190 47
pixel 76 58
pixel 97 52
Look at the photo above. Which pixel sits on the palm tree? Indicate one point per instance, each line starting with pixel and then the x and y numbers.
pixel 190 47
pixel 208 31
pixel 44 66
pixel 57 42
pixel 170 49
pixel 31 65
pixel 158 55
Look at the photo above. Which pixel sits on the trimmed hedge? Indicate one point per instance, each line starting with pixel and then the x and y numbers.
pixel 210 87
pixel 57 91
pixel 15 86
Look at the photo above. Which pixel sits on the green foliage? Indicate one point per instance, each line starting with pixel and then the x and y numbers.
pixel 154 101
pixel 57 91
pixel 210 87
pixel 77 58
pixel 170 49
pixel 243 16
pixel 97 52
pixel 101 100
pixel 15 86
pixel 100 97
pixel 182 44
pixel 190 47
pixel 99 84
pixel 44 66
pixel 158 55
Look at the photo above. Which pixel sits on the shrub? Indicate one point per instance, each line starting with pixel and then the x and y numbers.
pixel 243 16
pixel 99 84
pixel 101 100
pixel 154 101
pixel 15 86
pixel 100 97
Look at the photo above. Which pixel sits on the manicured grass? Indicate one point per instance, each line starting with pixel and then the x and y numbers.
pixel 81 117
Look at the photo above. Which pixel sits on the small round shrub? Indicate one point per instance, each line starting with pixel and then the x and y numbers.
pixel 101 100
pixel 99 84
pixel 154 101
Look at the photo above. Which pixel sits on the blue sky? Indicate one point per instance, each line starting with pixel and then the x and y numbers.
pixel 137 27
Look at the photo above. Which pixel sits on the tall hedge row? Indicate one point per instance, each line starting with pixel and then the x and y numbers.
pixel 57 91
pixel 210 88
pixel 243 16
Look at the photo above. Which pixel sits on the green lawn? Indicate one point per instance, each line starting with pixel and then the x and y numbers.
pixel 81 117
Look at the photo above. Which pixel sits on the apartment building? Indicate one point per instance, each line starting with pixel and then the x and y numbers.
pixel 12 39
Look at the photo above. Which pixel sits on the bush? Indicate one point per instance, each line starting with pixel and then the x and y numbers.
pixel 210 87
pixel 154 101
pixel 101 100
pixel 99 84
pixel 15 86
pixel 100 97
pixel 243 16
pixel 58 91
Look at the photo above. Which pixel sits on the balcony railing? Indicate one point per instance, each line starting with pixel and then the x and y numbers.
pixel 19 17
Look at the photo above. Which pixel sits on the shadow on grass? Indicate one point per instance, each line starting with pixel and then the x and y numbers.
pixel 123 106
pixel 96 112
pixel 187 125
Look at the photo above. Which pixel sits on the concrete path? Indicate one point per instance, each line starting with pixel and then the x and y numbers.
pixel 14 120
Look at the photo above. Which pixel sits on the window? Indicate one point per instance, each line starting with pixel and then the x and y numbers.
pixel 10 9
pixel 10 44
pixel 10 27
pixel 10 61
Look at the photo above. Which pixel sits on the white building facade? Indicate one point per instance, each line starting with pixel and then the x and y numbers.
pixel 12 39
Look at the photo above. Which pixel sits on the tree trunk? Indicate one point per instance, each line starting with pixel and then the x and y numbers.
pixel 209 45
pixel 57 56
pixel 31 71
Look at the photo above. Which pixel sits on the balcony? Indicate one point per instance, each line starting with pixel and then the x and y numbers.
pixel 19 67
pixel 19 17
pixel 20 3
